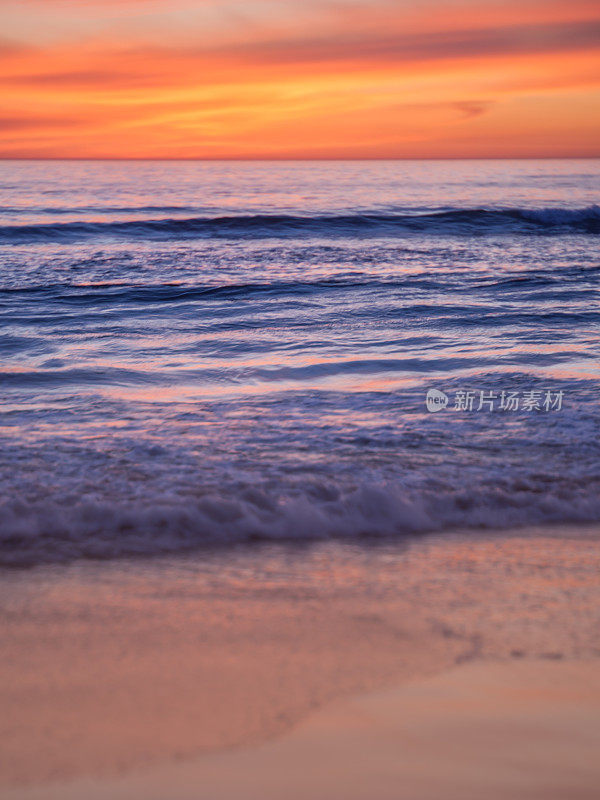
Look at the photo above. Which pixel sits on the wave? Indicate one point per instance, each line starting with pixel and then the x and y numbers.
pixel 119 292
pixel 95 209
pixel 559 283
pixel 53 531
pixel 478 221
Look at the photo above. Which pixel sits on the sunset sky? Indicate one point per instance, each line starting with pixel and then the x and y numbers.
pixel 299 78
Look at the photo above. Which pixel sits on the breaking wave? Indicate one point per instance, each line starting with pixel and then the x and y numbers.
pixel 478 221
pixel 57 530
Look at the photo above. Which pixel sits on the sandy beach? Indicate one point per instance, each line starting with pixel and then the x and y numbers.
pixel 525 730
pixel 200 676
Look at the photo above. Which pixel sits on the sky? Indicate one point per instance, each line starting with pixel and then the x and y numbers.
pixel 299 78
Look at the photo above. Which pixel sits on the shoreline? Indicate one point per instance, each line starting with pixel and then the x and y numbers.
pixel 299 546
pixel 113 668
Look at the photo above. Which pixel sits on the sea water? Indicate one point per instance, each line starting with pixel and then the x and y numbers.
pixel 204 353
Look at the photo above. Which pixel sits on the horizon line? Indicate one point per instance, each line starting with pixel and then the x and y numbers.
pixel 302 159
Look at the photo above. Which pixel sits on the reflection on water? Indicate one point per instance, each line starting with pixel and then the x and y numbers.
pixel 198 353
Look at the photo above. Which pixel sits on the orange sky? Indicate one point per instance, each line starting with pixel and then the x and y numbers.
pixel 299 78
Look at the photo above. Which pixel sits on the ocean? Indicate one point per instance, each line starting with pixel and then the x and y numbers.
pixel 201 354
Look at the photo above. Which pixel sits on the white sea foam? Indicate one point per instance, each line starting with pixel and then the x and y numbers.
pixel 70 527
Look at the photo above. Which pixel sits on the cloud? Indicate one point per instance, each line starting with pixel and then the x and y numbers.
pixel 130 66
pixel 23 123
pixel 10 48
pixel 472 108
pixel 395 47
pixel 80 78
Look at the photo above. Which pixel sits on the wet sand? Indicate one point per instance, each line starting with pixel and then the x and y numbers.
pixel 172 673
pixel 528 730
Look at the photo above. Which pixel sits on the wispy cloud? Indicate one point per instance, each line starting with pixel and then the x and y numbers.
pixel 223 77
